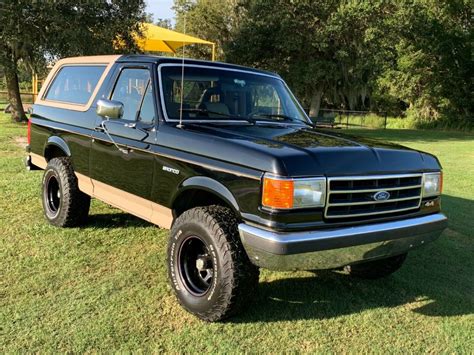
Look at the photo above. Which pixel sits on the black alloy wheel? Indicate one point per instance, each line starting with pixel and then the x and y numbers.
pixel 209 270
pixel 64 204
pixel 196 266
pixel 53 195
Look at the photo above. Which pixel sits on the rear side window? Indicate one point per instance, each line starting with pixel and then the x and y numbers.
pixel 75 84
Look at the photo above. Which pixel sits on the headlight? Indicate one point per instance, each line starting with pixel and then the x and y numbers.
pixel 432 184
pixel 287 193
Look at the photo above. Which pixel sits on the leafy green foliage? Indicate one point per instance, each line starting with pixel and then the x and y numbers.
pixel 410 57
pixel 215 21
pixel 65 28
pixel 431 65
pixel 32 32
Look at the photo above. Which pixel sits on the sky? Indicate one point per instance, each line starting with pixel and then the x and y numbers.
pixel 160 9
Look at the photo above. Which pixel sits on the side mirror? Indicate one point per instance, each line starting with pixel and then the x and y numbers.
pixel 109 108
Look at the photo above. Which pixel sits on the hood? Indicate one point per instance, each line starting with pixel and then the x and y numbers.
pixel 294 150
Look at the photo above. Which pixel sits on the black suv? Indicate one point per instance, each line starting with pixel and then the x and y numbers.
pixel 226 158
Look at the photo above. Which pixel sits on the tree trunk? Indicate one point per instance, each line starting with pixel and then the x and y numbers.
pixel 315 103
pixel 13 90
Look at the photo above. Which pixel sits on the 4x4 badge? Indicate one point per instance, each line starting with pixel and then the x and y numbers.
pixel 381 196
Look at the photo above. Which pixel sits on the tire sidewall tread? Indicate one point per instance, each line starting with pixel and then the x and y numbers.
pixel 74 204
pixel 235 279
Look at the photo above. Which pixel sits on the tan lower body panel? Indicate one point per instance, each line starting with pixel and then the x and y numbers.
pixel 85 184
pixel 126 201
pixel 38 160
pixel 123 200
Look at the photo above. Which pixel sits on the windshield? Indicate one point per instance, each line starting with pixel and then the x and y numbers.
pixel 222 94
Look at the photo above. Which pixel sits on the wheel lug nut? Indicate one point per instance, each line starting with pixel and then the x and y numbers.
pixel 200 263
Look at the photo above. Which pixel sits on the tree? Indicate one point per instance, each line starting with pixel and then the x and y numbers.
pixel 164 22
pixel 214 21
pixel 430 67
pixel 411 56
pixel 31 31
pixel 319 47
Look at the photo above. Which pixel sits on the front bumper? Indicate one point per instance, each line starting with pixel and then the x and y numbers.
pixel 333 248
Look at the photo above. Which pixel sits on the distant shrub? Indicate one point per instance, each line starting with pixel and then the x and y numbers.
pixel 401 123
pixel 446 124
pixel 373 121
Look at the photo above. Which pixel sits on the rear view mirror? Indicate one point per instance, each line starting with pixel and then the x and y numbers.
pixel 109 108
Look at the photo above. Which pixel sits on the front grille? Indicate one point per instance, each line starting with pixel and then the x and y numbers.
pixel 350 197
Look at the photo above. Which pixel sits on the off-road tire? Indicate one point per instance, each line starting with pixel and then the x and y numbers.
pixel 235 278
pixel 71 207
pixel 378 268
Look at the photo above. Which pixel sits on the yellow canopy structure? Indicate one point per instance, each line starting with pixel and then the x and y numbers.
pixel 159 39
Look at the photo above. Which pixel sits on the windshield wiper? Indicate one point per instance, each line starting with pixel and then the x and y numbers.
pixel 226 115
pixel 265 117
pixel 205 111
pixel 282 117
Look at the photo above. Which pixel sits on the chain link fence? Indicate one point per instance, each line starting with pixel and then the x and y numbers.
pixel 26 97
pixel 332 118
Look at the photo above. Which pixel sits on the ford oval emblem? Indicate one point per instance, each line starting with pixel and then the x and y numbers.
pixel 381 196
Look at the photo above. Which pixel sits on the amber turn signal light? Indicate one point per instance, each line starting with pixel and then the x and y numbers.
pixel 277 193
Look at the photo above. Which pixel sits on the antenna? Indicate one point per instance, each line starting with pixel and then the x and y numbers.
pixel 180 125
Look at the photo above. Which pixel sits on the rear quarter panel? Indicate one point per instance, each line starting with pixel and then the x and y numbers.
pixel 73 127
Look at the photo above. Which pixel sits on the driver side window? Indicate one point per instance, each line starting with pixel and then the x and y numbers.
pixel 129 90
pixel 147 111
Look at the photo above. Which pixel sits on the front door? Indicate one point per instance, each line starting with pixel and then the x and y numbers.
pixel 121 163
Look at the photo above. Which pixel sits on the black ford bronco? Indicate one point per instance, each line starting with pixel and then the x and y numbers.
pixel 226 158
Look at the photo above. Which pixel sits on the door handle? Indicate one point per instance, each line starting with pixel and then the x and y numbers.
pixel 130 125
pixel 99 129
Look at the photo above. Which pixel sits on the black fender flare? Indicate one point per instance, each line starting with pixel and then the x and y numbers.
pixel 209 185
pixel 58 142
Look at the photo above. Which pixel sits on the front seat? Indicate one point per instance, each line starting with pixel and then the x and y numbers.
pixel 217 109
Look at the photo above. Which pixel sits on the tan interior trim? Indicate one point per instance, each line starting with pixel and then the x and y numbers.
pixel 138 206
pixel 107 60
pixel 38 160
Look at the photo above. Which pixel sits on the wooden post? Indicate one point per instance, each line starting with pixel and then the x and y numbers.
pixel 35 86
pixel 213 52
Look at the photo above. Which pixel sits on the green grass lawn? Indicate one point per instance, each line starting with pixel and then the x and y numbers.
pixel 104 287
